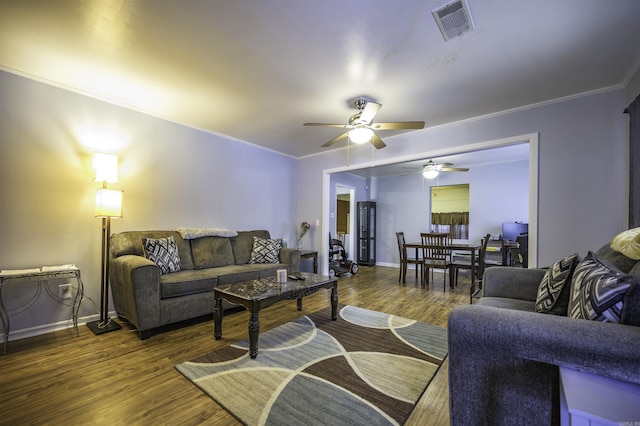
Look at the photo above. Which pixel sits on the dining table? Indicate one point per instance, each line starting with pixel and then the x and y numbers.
pixel 472 248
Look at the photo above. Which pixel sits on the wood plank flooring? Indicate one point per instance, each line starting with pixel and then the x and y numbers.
pixel 118 379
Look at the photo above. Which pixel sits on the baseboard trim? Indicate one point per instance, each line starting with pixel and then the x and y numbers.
pixel 50 328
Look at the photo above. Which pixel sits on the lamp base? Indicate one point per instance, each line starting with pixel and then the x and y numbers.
pixel 97 328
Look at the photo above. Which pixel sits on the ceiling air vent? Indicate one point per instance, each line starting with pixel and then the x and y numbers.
pixel 454 19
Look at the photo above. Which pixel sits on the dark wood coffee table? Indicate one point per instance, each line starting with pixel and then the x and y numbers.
pixel 257 294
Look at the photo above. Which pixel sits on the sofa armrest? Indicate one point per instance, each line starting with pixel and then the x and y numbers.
pixel 291 257
pixel 512 283
pixel 508 359
pixel 135 286
pixel 601 348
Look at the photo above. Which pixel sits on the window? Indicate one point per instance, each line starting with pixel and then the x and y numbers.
pixel 450 210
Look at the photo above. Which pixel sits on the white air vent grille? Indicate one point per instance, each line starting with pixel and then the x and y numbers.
pixel 453 19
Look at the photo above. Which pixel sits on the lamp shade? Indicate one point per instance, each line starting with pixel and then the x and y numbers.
pixel 105 167
pixel 108 203
pixel 360 135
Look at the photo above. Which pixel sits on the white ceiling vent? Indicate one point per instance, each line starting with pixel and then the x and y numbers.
pixel 454 19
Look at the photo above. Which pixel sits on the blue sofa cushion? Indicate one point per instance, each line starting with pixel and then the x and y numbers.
pixel 598 290
pixel 163 252
pixel 553 288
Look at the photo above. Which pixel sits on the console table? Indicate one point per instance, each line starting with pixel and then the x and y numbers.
pixel 41 276
pixel 306 254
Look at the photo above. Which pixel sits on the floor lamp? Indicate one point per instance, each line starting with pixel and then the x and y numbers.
pixel 108 205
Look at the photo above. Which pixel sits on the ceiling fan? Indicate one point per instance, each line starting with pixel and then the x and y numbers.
pixel 362 127
pixel 430 169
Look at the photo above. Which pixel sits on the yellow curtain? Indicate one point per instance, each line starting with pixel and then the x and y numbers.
pixel 450 218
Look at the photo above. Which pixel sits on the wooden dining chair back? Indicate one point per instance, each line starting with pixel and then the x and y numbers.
pixel 406 259
pixel 436 254
pixel 483 263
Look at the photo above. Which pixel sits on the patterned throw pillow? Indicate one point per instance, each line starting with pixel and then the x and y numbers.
pixel 598 289
pixel 554 281
pixel 265 250
pixel 163 252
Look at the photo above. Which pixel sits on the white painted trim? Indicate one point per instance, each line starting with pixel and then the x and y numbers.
pixel 49 328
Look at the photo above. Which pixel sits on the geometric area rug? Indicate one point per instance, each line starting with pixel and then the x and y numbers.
pixel 366 368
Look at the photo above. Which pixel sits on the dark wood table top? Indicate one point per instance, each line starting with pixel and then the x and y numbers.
pixel 269 287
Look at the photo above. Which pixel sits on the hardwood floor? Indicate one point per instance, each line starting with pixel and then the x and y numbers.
pixel 118 379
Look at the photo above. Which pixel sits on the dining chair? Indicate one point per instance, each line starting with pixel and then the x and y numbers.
pixel 405 259
pixel 436 254
pixel 483 262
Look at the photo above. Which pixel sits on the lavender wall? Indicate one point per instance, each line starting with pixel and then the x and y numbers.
pixel 497 193
pixel 581 172
pixel 171 176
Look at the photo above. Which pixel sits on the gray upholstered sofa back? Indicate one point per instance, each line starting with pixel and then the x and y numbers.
pixel 130 242
pixel 199 253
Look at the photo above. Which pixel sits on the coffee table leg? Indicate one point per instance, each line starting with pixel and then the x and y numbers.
pixel 299 303
pixel 334 302
pixel 217 319
pixel 254 330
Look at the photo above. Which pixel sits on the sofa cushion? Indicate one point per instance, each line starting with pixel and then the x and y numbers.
pixel 130 242
pixel 598 290
pixel 163 252
pixel 506 303
pixel 265 250
pixel 554 287
pixel 243 244
pixel 187 282
pixel 211 252
pixel 615 258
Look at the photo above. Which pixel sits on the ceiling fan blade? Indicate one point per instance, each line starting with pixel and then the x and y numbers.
pixel 369 112
pixel 399 125
pixel 446 165
pixel 453 169
pixel 344 126
pixel 377 142
pixel 336 139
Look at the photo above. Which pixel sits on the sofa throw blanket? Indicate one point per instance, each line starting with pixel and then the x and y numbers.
pixel 191 233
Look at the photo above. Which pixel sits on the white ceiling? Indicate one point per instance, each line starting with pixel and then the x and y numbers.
pixel 255 70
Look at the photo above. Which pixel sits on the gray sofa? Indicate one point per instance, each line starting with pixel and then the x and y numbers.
pixel 149 299
pixel 504 357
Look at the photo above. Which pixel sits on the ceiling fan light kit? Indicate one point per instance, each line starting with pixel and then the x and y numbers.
pixel 360 135
pixel 430 174
pixel 361 126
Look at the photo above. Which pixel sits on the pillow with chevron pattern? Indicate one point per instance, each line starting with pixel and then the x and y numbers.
pixel 598 290
pixel 163 252
pixel 553 291
pixel 265 250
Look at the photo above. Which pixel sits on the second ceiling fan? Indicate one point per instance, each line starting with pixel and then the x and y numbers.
pixel 361 126
pixel 431 169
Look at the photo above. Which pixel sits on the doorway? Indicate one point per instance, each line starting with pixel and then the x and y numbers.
pixel 531 139
pixel 345 219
